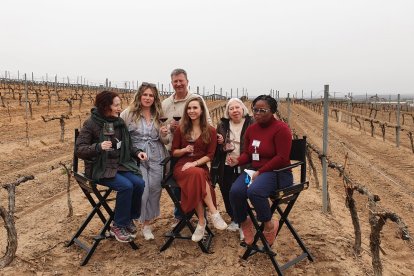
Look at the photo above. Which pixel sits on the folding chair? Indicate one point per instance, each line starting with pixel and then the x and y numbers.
pixel 98 198
pixel 286 196
pixel 169 184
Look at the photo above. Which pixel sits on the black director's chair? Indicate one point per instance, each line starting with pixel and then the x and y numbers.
pixel 169 184
pixel 286 196
pixel 98 198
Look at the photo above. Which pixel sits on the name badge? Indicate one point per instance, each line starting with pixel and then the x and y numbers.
pixel 255 157
pixel 256 143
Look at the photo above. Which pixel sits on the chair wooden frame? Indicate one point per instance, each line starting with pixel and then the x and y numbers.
pixel 286 196
pixel 98 198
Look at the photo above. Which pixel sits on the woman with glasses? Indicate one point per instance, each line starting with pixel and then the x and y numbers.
pixel 142 118
pixel 104 139
pixel 230 139
pixel 194 144
pixel 267 147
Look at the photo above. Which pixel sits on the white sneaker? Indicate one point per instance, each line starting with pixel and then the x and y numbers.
pixel 198 234
pixel 218 221
pixel 146 231
pixel 233 226
pixel 241 234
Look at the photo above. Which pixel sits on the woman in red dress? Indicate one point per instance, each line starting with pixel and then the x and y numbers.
pixel 194 143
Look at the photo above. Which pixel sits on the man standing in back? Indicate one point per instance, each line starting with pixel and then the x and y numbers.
pixel 173 106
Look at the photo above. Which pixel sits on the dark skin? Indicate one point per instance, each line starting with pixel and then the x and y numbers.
pixel 261 119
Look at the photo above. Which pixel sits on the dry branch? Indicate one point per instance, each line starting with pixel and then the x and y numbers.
pixel 61 121
pixel 69 200
pixel 8 218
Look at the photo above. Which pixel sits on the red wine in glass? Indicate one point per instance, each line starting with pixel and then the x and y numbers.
pixel 108 131
pixel 163 119
pixel 177 118
pixel 191 142
pixel 228 147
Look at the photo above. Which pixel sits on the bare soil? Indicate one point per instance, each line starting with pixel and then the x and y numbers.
pixel 43 226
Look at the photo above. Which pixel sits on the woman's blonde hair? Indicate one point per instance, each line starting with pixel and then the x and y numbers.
pixel 187 125
pixel 136 108
pixel 237 100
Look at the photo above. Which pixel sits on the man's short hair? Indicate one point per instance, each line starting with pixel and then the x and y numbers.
pixel 178 71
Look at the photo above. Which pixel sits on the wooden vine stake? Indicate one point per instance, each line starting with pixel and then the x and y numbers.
pixel 312 167
pixel 69 200
pixel 351 204
pixel 62 124
pixel 8 218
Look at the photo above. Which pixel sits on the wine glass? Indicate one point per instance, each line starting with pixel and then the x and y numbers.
pixel 228 146
pixel 163 119
pixel 191 142
pixel 177 118
pixel 108 131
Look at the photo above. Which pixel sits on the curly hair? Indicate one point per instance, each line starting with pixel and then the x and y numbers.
pixel 136 108
pixel 186 124
pixel 270 101
pixel 104 100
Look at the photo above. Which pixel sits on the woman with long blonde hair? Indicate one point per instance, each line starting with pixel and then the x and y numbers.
pixel 147 134
pixel 194 144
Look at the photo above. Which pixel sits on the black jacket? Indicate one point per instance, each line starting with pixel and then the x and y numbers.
pixel 219 157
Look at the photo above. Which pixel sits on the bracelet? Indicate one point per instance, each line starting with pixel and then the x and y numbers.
pixel 196 163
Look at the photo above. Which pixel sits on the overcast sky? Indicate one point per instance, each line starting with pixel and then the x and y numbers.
pixel 354 46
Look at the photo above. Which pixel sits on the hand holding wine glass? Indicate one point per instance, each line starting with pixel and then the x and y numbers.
pixel 191 142
pixel 108 131
pixel 220 139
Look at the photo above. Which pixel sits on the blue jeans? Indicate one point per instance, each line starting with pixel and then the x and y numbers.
pixel 259 191
pixel 129 188
pixel 177 213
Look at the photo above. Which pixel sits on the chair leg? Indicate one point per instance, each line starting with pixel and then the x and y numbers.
pixel 95 210
pixel 294 233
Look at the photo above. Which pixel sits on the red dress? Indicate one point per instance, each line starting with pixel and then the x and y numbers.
pixel 193 180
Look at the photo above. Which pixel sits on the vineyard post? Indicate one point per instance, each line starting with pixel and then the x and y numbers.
pixel 397 136
pixel 325 148
pixel 288 107
pixel 27 99
pixel 50 100
pixel 26 94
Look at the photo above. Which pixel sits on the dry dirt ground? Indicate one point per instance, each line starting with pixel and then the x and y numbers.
pixel 43 226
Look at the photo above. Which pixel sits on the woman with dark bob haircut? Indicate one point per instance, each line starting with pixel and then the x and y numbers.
pixel 113 163
pixel 267 147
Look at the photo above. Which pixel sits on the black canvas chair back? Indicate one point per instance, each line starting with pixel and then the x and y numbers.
pixel 98 197
pixel 287 197
pixel 169 184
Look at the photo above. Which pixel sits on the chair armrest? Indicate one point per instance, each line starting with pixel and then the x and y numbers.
pixel 295 188
pixel 294 165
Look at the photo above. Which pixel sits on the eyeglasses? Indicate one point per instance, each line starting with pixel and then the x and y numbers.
pixel 260 110
pixel 149 84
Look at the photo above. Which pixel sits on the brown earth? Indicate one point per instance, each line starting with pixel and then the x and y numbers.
pixel 43 226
